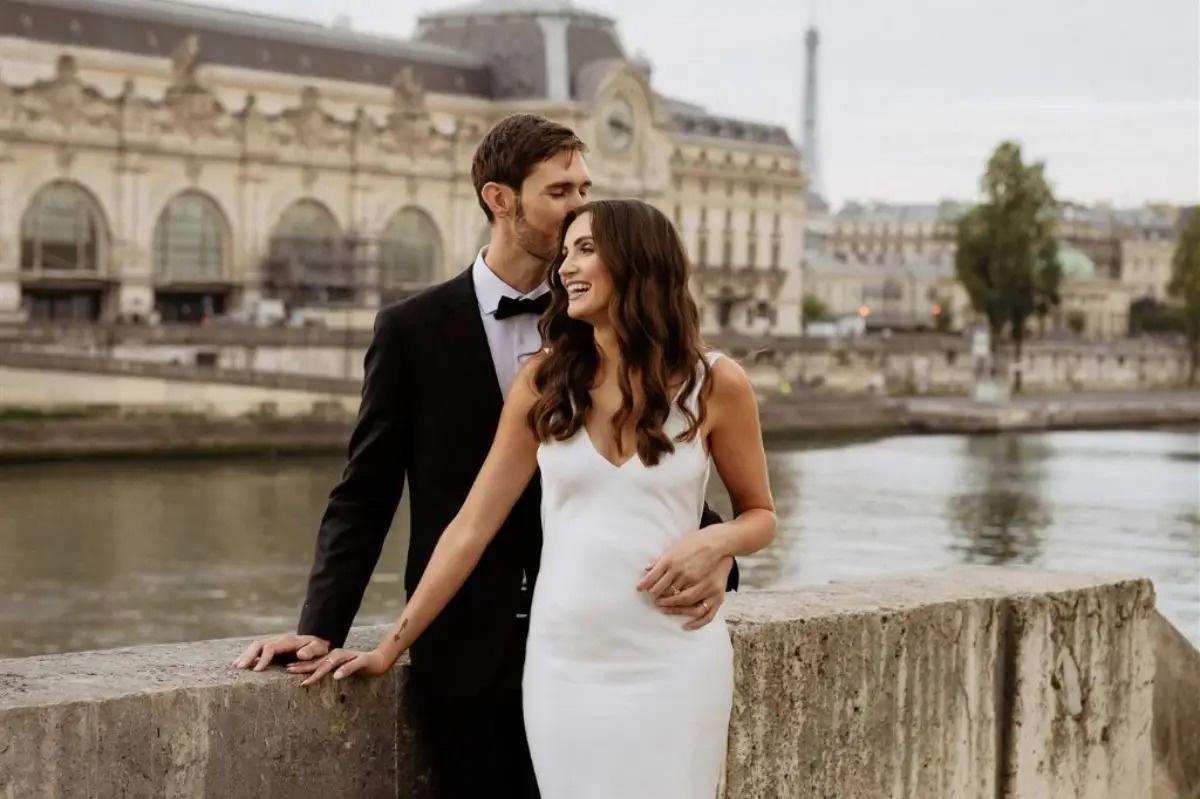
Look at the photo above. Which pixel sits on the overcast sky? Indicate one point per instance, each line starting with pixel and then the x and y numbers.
pixel 914 95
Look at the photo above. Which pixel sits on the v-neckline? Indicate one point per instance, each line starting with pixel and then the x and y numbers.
pixel 587 433
pixel 592 445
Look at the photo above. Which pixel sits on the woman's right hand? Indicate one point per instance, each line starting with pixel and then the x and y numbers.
pixel 343 663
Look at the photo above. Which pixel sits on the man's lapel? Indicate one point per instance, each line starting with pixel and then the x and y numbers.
pixel 464 330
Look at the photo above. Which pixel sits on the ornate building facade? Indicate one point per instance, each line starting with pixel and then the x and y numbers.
pixel 1148 241
pixel 160 158
pixel 899 259
pixel 881 232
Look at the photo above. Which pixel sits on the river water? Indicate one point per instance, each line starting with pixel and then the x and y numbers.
pixel 98 554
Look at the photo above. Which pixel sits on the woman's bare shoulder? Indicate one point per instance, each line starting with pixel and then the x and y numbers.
pixel 731 386
pixel 728 375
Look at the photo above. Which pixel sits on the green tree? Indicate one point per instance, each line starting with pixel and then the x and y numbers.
pixel 1007 255
pixel 1185 285
pixel 814 308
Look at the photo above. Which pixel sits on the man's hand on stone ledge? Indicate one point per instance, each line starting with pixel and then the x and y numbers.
pixel 260 653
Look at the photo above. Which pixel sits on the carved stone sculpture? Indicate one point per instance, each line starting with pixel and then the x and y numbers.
pixel 408 123
pixel 185 58
pixel 309 126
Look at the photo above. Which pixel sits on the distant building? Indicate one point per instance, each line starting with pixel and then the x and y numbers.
pixel 1110 258
pixel 878 232
pixel 1148 239
pixel 188 160
pixel 1133 245
pixel 1094 231
pixel 1099 302
pixel 908 294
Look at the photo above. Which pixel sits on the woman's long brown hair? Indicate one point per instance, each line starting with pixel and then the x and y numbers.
pixel 657 327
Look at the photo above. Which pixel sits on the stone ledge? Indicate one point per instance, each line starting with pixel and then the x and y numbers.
pixel 951 683
pixel 1176 711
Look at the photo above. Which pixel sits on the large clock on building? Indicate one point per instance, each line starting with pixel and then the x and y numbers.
pixel 616 124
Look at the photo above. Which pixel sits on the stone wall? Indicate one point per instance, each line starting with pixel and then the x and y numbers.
pixel 48 380
pixel 1176 713
pixel 944 365
pixel 963 682
pixel 901 365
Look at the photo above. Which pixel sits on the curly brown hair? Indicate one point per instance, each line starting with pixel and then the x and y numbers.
pixel 657 327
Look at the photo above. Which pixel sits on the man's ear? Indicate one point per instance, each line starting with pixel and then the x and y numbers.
pixel 500 199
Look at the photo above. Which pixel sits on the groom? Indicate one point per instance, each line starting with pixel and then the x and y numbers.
pixel 436 373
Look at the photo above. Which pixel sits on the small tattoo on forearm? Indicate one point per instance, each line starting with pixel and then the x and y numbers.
pixel 403 624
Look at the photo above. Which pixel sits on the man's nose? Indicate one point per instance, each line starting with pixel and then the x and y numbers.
pixel 577 200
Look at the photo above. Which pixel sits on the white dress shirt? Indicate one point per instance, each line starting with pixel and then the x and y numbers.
pixel 510 340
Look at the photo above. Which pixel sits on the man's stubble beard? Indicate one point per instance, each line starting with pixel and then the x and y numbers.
pixel 529 238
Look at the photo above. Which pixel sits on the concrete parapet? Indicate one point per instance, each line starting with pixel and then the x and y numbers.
pixel 962 682
pixel 945 684
pixel 1081 687
pixel 1176 713
pixel 176 720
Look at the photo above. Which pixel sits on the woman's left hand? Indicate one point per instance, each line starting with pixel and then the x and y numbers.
pixel 343 663
pixel 687 562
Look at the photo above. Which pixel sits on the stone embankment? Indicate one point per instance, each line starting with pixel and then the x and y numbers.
pixel 1071 411
pixel 323 426
pixel 965 682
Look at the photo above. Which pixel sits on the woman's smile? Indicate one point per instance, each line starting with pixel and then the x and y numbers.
pixel 576 289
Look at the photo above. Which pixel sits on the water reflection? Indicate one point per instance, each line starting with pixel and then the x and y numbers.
pixel 115 553
pixel 112 553
pixel 1000 515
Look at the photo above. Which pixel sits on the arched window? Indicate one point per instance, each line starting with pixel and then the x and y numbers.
pixel 410 252
pixel 189 240
pixel 308 260
pixel 62 230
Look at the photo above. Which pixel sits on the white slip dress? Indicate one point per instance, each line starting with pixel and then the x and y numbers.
pixel 620 701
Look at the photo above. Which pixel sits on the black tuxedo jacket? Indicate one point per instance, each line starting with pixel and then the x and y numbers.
pixel 430 407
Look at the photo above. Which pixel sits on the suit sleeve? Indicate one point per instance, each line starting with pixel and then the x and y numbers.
pixel 710 516
pixel 363 503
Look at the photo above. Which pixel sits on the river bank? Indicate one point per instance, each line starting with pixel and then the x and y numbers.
pixel 109 432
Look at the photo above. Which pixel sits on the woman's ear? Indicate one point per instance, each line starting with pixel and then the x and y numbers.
pixel 499 198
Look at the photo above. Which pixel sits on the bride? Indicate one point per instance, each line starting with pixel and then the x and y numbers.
pixel 622 412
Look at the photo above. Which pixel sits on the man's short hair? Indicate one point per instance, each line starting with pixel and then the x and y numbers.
pixel 513 147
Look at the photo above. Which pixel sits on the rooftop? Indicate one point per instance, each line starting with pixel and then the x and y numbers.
pixel 695 120
pixel 541 8
pixel 875 211
pixel 493 48
pixel 1076 265
pixel 224 19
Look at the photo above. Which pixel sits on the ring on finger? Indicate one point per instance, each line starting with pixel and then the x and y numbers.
pixel 704 604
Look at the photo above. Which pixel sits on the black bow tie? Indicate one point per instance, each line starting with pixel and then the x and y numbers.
pixel 515 307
